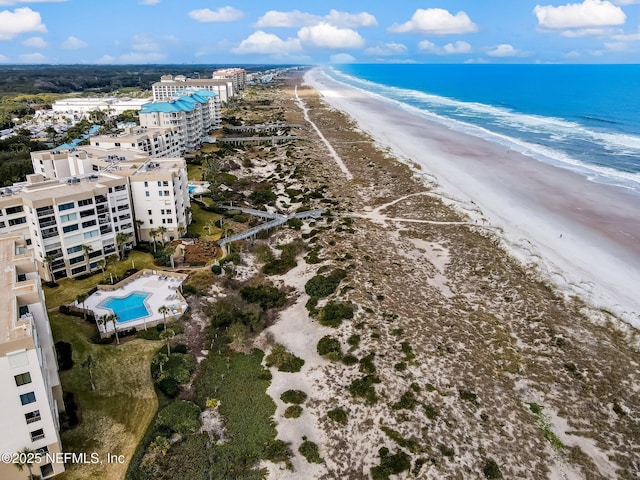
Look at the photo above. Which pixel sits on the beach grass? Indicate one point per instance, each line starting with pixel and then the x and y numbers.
pixel 114 416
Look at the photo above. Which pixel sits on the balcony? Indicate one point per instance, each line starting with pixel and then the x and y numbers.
pixel 35 418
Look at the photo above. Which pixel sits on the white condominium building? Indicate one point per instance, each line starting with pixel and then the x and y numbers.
pixel 30 391
pixel 114 105
pixel 237 75
pixel 71 224
pixel 100 182
pixel 168 86
pixel 157 142
pixel 193 113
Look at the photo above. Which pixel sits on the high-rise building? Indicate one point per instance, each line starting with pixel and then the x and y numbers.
pixel 168 86
pixel 30 391
pixel 193 113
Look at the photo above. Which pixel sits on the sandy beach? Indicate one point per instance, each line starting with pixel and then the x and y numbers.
pixel 583 236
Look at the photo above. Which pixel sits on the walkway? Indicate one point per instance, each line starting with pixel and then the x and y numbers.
pixel 333 153
pixel 276 219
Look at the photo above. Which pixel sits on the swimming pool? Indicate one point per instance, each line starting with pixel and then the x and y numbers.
pixel 192 189
pixel 127 308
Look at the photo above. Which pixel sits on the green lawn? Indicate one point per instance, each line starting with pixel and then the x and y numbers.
pixel 115 416
pixel 194 173
pixel 202 219
pixel 69 288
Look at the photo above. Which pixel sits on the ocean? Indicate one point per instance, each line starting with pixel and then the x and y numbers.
pixel 582 117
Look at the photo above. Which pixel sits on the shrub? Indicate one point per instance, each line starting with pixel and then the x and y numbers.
pixel 64 355
pixel 400 366
pixel 321 286
pixel 491 469
pixel 240 219
pixel 293 411
pixel 339 415
pixel 277 451
pixel 354 340
pixel 169 386
pixel 328 345
pixel 263 196
pixel 333 313
pixel 296 397
pixel 266 295
pixel 309 450
pixel 179 417
pixel 468 396
pixel 363 387
pixel 407 401
pixel 431 411
pixel 295 223
pixel 283 360
pixel 390 464
pixel 216 269
pixel 367 365
pixel 349 360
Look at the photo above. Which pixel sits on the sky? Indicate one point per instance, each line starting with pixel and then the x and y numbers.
pixel 318 32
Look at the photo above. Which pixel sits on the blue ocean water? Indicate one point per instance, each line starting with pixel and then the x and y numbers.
pixel 582 117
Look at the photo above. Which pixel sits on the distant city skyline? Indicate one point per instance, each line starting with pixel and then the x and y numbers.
pixel 306 32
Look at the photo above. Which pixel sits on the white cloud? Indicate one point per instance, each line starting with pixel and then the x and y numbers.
pixel 21 20
pixel 389 48
pixel 267 43
pixel 296 18
pixel 628 37
pixel 342 58
pixel 627 2
pixel 617 46
pixel 351 20
pixel 5 3
pixel 106 60
pixel 222 14
pixel 4 59
pixel 586 32
pixel 132 58
pixel 35 42
pixel 32 58
pixel 73 43
pixel 147 42
pixel 458 47
pixel 503 50
pixel 436 21
pixel 149 2
pixel 588 14
pixel 328 36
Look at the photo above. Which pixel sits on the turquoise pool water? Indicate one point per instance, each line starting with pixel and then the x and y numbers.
pixel 192 189
pixel 127 308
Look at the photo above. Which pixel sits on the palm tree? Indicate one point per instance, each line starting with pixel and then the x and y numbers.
pixel 164 310
pixel 86 250
pixel 160 359
pixel 161 231
pixel 138 224
pixel 153 233
pixel 48 260
pixel 114 319
pixel 26 458
pixel 102 265
pixel 121 240
pixel 89 363
pixel 168 335
pixel 110 317
pixel 181 230
pixel 80 299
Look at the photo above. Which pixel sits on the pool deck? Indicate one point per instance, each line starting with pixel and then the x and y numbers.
pixel 163 288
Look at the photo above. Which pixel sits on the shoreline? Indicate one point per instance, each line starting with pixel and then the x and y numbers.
pixel 581 235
